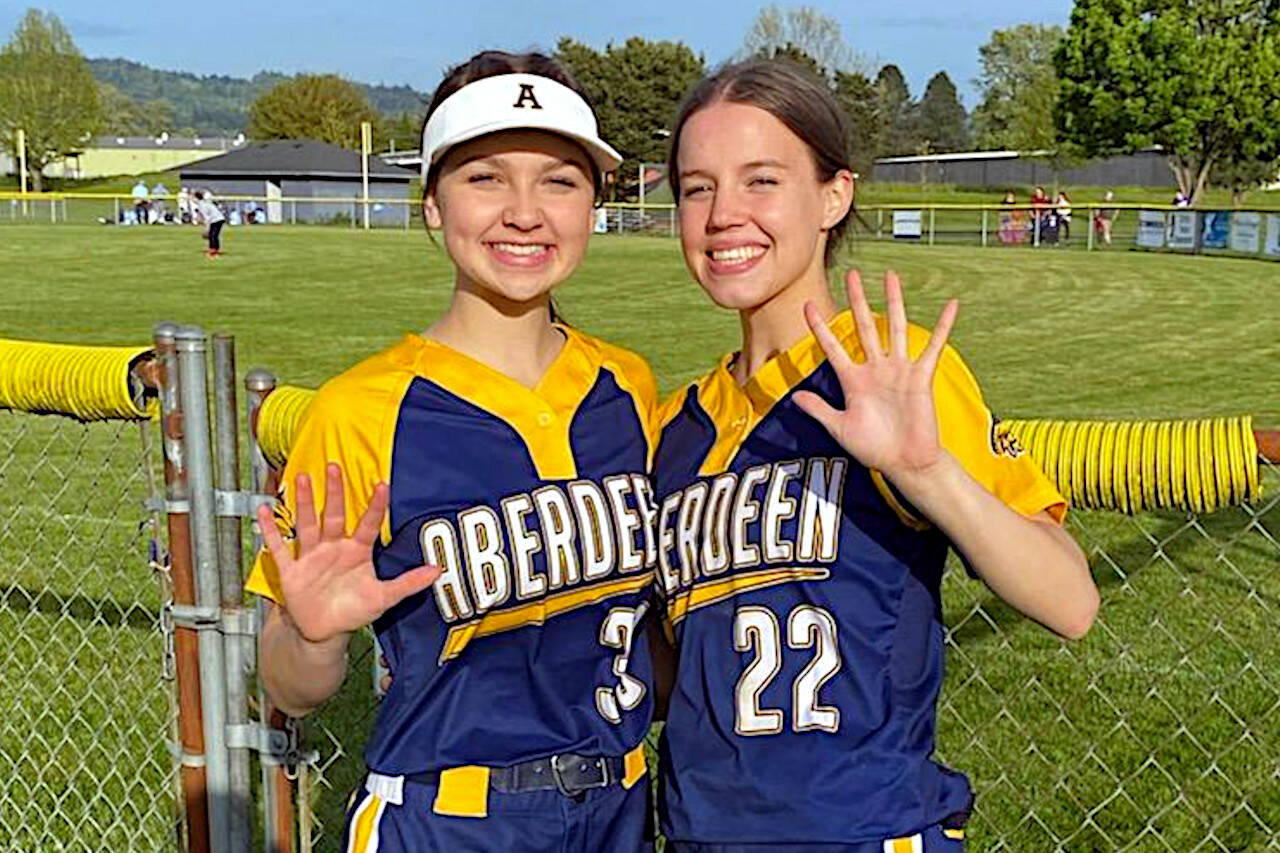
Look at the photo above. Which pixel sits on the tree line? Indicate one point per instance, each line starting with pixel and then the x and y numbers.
pixel 1199 78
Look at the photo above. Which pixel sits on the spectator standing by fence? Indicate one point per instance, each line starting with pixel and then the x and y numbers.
pixel 213 219
pixel 1064 215
pixel 141 202
pixel 1104 219
pixel 1013 226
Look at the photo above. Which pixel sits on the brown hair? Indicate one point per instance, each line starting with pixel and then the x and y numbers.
pixel 491 63
pixel 791 94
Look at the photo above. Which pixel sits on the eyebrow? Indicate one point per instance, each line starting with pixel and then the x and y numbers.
pixel 754 164
pixel 563 161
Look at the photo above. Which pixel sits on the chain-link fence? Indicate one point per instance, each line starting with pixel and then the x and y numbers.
pixel 86 712
pixel 1156 732
pixel 248 210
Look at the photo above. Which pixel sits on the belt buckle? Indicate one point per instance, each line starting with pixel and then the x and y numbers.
pixel 565 788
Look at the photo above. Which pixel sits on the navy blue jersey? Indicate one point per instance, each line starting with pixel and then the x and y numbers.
pixel 536 504
pixel 803 594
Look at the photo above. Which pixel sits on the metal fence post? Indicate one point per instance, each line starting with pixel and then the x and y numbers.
pixel 197 446
pixel 185 640
pixel 277 812
pixel 984 227
pixel 1090 213
pixel 239 633
pixel 932 216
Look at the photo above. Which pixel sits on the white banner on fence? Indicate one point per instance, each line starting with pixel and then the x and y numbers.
pixel 906 223
pixel 1182 229
pixel 1151 229
pixel 1273 236
pixel 1246 227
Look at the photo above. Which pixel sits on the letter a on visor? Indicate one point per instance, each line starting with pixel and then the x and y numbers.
pixel 514 102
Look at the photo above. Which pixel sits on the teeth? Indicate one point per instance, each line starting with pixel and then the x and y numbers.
pixel 521 248
pixel 737 254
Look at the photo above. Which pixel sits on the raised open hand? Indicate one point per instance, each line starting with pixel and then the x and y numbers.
pixel 888 421
pixel 331 587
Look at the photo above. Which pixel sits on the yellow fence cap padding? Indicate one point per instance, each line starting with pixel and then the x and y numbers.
pixel 278 421
pixel 91 383
pixel 1136 466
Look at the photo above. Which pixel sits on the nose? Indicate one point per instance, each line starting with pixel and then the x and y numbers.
pixel 727 210
pixel 522 211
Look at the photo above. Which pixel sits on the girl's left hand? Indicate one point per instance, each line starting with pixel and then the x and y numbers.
pixel 888 422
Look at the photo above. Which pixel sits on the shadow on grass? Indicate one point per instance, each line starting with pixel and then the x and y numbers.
pixel 100 611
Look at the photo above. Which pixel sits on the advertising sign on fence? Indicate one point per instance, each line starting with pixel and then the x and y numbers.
pixel 1214 232
pixel 1182 229
pixel 1151 229
pixel 906 224
pixel 1246 227
pixel 1272 247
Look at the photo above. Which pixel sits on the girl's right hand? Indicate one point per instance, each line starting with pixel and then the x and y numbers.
pixel 331 588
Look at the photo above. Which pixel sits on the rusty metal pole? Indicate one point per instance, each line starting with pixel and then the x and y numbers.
pixel 186 640
pixel 277 787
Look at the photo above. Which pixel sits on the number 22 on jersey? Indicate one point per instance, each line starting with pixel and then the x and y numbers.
pixel 756 629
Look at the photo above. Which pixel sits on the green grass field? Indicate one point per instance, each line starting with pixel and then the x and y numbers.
pixel 1154 733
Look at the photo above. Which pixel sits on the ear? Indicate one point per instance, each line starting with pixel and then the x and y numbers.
pixel 837 197
pixel 431 211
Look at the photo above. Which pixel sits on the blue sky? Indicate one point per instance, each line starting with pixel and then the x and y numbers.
pixel 398 41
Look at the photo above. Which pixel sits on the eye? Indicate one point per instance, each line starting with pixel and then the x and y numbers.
pixel 693 190
pixel 763 180
pixel 481 177
pixel 563 181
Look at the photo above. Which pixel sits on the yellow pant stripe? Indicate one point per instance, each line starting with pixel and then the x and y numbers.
pixel 364 826
pixel 954 834
pixel 633 766
pixel 463 792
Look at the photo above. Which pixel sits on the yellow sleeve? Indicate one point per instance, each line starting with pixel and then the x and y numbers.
pixel 350 423
pixel 990 454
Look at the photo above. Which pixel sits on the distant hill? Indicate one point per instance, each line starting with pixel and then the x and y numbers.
pixel 215 105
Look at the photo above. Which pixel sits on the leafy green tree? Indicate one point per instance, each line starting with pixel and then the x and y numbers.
pixel 324 107
pixel 805 31
pixel 126 116
pixel 401 132
pixel 1019 87
pixel 46 90
pixel 636 88
pixel 895 114
pixel 940 117
pixel 1199 78
pixel 856 95
pixel 790 53
pixel 1241 176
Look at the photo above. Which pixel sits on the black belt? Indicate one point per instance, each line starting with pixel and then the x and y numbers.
pixel 569 774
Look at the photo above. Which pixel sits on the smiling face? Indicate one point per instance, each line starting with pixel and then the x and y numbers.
pixel 516 209
pixel 753 214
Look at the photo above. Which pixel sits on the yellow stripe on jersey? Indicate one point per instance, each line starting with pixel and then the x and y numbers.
pixel 363 837
pixel 954 834
pixel 537 612
pixel 904 515
pixel 704 595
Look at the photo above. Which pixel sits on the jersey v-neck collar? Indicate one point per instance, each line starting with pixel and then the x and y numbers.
pixel 737 409
pixel 541 415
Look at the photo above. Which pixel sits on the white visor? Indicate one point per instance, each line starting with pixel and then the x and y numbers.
pixel 514 102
